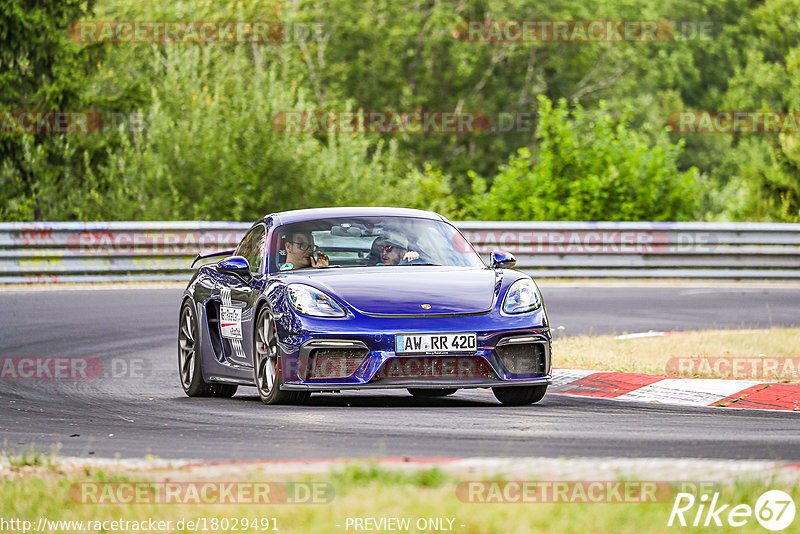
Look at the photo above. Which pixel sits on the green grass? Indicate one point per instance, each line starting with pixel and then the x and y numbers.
pixel 31 457
pixel 362 474
pixel 360 490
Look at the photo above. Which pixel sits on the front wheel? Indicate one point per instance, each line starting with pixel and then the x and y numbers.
pixel 267 364
pixel 190 363
pixel 519 395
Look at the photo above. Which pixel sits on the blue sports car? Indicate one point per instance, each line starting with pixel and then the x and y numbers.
pixel 331 299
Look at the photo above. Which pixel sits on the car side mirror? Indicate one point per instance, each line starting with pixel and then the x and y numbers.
pixel 503 260
pixel 237 266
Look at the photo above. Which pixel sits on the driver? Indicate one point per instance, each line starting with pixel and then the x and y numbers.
pixel 393 249
pixel 300 252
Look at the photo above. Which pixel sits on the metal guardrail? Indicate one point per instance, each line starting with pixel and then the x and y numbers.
pixel 645 249
pixel 108 251
pixel 144 251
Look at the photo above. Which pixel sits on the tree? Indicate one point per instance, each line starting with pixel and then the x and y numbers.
pixel 40 70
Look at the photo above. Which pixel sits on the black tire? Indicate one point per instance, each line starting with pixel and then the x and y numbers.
pixel 267 363
pixel 519 395
pixel 190 369
pixel 432 392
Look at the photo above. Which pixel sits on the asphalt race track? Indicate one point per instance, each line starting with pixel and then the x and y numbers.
pixel 148 413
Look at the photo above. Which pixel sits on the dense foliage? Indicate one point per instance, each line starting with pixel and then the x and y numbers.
pixel 587 166
pixel 578 129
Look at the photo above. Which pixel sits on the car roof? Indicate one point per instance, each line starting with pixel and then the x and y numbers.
pixel 287 217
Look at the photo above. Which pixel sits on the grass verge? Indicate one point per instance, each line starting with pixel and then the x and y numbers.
pixel 771 354
pixel 358 491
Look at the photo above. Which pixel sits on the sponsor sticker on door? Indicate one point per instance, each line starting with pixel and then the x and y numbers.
pixel 230 322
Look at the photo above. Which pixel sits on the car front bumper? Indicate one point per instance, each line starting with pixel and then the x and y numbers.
pixel 373 363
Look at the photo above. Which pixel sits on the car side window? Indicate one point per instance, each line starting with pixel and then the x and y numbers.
pixel 252 248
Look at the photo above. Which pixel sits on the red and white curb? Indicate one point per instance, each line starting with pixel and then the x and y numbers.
pixel 748 394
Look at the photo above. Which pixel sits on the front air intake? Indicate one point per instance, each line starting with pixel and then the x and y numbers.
pixel 524 358
pixel 329 363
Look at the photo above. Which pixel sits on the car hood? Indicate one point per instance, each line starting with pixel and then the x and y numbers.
pixel 408 290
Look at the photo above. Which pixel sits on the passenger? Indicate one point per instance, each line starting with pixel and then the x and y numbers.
pixel 374 257
pixel 392 248
pixel 300 252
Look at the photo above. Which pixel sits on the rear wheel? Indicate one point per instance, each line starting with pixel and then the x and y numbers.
pixel 189 361
pixel 519 395
pixel 431 392
pixel 267 364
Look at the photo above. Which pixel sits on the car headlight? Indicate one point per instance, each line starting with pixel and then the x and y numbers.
pixel 523 296
pixel 311 301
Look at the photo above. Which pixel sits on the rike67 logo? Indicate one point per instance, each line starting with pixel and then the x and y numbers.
pixel 774 510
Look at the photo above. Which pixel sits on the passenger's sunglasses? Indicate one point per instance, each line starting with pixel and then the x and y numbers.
pixel 302 246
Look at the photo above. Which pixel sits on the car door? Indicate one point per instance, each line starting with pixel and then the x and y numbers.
pixel 238 298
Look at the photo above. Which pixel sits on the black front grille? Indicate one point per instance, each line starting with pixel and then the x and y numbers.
pixel 435 368
pixel 335 362
pixel 523 358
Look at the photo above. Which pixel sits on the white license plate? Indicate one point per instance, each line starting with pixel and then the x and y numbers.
pixel 463 343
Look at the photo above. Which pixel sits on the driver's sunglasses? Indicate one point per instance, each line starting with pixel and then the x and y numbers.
pixel 302 246
pixel 387 248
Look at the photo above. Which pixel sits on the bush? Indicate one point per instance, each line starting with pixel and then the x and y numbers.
pixel 588 166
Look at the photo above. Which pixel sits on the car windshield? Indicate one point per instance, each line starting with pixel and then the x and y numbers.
pixel 370 241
